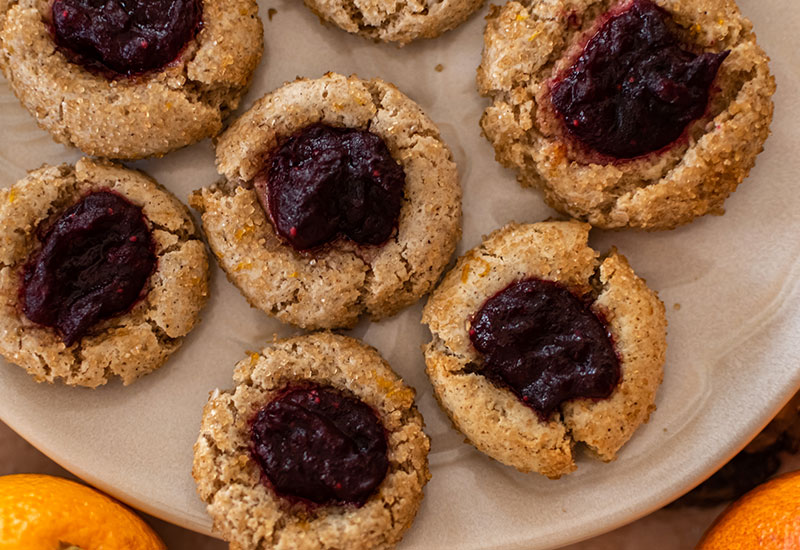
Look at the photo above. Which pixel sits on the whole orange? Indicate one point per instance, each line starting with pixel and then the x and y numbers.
pixel 766 518
pixel 39 512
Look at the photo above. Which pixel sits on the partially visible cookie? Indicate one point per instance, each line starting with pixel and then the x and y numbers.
pixel 300 484
pixel 626 113
pixel 539 343
pixel 109 264
pixel 399 22
pixel 369 225
pixel 114 82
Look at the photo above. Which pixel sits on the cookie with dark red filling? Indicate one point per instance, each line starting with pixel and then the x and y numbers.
pixel 540 343
pixel 103 273
pixel 319 446
pixel 339 199
pixel 128 79
pixel 398 22
pixel 630 113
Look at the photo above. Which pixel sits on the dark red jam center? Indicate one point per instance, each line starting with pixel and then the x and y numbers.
pixel 325 182
pixel 634 90
pixel 126 36
pixel 94 262
pixel 320 445
pixel 545 345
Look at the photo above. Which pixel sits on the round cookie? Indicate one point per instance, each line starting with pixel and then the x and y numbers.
pixel 247 511
pixel 399 22
pixel 332 285
pixel 114 115
pixel 529 51
pixel 491 415
pixel 133 342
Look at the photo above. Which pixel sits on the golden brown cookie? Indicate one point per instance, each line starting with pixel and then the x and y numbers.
pixel 529 48
pixel 130 117
pixel 130 343
pixel 399 22
pixel 332 285
pixel 247 510
pixel 491 414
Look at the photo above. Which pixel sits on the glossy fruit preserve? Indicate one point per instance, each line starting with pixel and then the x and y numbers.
pixel 326 182
pixel 94 263
pixel 634 88
pixel 545 345
pixel 320 445
pixel 126 36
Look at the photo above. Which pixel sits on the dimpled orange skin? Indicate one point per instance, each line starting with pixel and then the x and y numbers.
pixel 766 518
pixel 39 512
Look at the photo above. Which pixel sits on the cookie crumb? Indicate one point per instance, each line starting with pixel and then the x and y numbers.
pixel 676 306
pixel 439 68
pixel 271 13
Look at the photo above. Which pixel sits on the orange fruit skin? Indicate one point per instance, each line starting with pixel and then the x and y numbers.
pixel 766 518
pixel 39 512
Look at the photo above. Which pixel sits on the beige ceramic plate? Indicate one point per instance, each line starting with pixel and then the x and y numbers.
pixel 731 285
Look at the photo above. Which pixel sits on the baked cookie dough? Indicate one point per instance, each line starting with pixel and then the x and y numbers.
pixel 530 49
pixel 332 285
pixel 490 414
pixel 248 512
pixel 114 115
pixel 399 22
pixel 136 340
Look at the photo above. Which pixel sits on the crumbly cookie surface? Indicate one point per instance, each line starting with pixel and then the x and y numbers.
pixel 132 117
pixel 493 418
pixel 247 513
pixel 527 43
pixel 128 345
pixel 399 22
pixel 334 286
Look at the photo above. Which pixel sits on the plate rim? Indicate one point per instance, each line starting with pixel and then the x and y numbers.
pixel 610 524
pixel 602 523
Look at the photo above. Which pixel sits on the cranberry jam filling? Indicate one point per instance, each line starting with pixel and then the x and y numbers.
pixel 634 90
pixel 127 37
pixel 318 444
pixel 94 262
pixel 545 345
pixel 325 182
